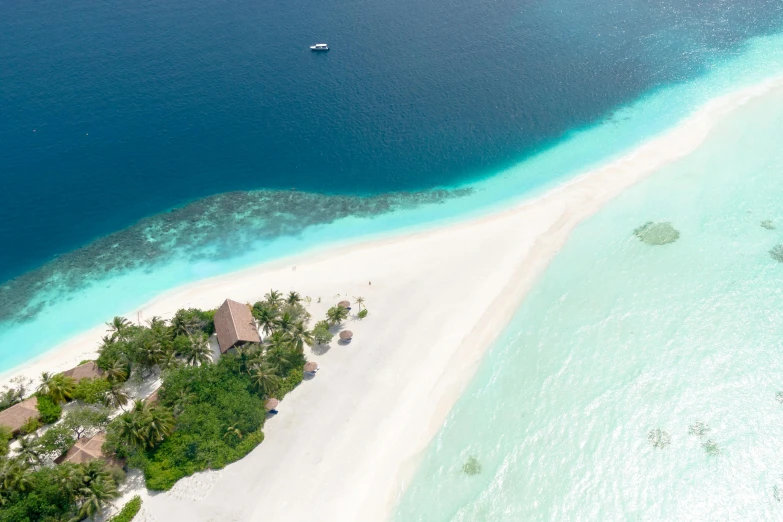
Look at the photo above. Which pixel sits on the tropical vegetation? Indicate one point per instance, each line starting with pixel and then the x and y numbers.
pixel 206 415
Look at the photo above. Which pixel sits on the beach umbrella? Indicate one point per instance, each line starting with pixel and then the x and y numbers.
pixel 310 366
pixel 346 335
pixel 271 404
pixel 344 304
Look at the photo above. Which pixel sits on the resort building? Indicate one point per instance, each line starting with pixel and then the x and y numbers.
pixel 235 326
pixel 17 415
pixel 87 449
pixel 88 370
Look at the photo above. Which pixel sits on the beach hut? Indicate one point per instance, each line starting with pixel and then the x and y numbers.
pixel 17 415
pixel 346 336
pixel 311 367
pixel 235 325
pixel 271 404
pixel 344 304
pixel 88 370
pixel 87 449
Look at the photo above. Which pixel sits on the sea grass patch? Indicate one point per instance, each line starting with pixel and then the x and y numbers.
pixel 659 438
pixel 472 466
pixel 661 233
pixel 777 253
pixel 767 223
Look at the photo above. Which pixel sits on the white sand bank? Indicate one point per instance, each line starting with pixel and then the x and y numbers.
pixel 346 442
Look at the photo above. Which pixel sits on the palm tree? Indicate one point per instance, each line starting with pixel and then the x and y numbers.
pixel 233 431
pixel 293 298
pixel 282 358
pixel 116 397
pixel 247 355
pixel 117 327
pixel 117 371
pixel 156 323
pixel 131 430
pixel 58 387
pixel 267 318
pixel 285 322
pixel 13 476
pixel 151 353
pixel 169 360
pixel 146 425
pixel 29 451
pixel 359 302
pixel 277 340
pixel 198 352
pixel 161 423
pixel 185 324
pixel 264 379
pixel 70 477
pixel 300 336
pixel 274 298
pixel 336 315
pixel 96 493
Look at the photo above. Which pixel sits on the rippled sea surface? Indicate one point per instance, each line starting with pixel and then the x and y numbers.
pixel 638 381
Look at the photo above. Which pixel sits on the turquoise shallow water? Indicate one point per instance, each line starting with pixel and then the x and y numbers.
pixel 228 232
pixel 620 338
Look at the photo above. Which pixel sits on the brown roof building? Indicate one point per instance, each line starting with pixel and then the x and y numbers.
pixel 88 370
pixel 235 325
pixel 88 449
pixel 17 415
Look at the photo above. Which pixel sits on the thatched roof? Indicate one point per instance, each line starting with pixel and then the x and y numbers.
pixel 271 404
pixel 346 335
pixel 344 304
pixel 234 324
pixel 17 415
pixel 88 370
pixel 310 366
pixel 88 449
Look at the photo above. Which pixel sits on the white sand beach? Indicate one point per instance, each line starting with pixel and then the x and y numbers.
pixel 346 442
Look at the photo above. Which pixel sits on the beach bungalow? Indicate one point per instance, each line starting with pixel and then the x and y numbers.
pixel 17 415
pixel 235 326
pixel 88 370
pixel 87 449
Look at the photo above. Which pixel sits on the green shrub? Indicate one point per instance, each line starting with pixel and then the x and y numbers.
pixel 128 511
pixel 30 426
pixel 362 314
pixel 50 412
pixel 209 399
pixel 91 391
pixel 289 383
pixel 5 437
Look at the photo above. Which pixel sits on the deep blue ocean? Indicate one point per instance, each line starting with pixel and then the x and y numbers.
pixel 113 111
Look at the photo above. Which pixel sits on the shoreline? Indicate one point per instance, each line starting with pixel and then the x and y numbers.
pixel 349 440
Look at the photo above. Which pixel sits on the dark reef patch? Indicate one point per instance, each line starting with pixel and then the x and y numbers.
pixel 777 253
pixel 213 228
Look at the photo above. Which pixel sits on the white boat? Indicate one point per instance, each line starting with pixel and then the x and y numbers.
pixel 319 47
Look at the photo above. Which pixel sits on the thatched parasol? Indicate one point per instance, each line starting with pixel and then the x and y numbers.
pixel 310 366
pixel 346 335
pixel 271 404
pixel 344 304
